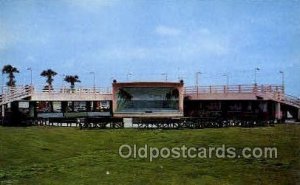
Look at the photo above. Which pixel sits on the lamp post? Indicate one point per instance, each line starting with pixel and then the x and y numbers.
pixel 94 80
pixel 197 81
pixel 128 75
pixel 63 81
pixel 282 80
pixel 255 84
pixel 227 79
pixel 227 83
pixel 30 69
pixel 166 75
pixel 255 71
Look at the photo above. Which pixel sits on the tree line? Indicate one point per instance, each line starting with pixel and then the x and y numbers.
pixel 49 74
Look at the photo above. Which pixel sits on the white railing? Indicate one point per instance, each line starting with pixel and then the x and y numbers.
pixel 20 92
pixel 292 100
pixel 233 89
pixel 10 94
pixel 79 90
pixel 274 92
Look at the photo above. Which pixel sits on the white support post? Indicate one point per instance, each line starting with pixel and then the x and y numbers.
pixel 278 114
pixel 3 110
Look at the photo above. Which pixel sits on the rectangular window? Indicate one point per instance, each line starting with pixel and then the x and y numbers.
pixel 43 106
pixel 143 99
pixel 57 106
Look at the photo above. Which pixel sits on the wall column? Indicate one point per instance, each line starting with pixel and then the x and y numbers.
pixel 114 96
pixel 278 113
pixel 181 99
pixel 3 110
pixel 32 109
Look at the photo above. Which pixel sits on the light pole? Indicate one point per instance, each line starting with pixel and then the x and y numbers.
pixel 30 69
pixel 227 79
pixel 255 71
pixel 2 107
pixel 63 81
pixel 166 75
pixel 197 81
pixel 127 76
pixel 94 80
pixel 282 80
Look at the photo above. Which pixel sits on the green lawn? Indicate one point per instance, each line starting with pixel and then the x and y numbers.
pixel 51 155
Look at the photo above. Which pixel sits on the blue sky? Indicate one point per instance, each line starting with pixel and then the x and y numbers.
pixel 148 38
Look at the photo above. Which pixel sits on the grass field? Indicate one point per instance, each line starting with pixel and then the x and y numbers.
pixel 51 155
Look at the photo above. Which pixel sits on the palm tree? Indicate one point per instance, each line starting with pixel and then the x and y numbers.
pixel 49 74
pixel 72 80
pixel 10 70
